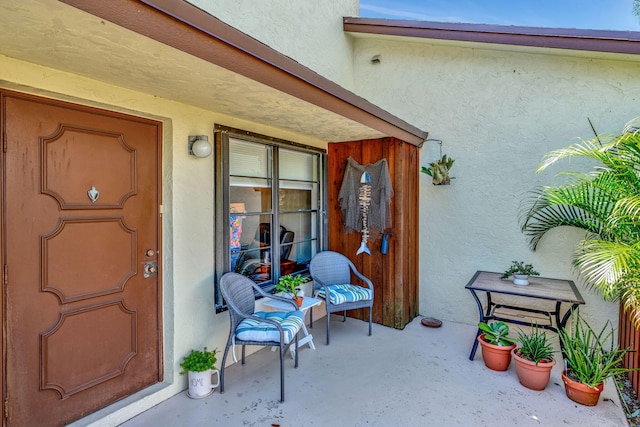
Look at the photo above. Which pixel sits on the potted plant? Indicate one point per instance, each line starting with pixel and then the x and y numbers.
pixel 439 170
pixel 200 366
pixel 290 284
pixel 520 272
pixel 533 358
pixel 496 345
pixel 590 358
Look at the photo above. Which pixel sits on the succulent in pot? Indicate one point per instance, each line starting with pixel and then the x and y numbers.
pixel 496 333
pixel 496 345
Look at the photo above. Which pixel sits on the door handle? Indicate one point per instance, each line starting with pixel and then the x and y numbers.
pixel 150 268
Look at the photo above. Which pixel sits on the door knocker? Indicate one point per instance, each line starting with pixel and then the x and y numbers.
pixel 93 194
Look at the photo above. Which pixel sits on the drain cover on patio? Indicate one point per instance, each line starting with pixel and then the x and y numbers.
pixel 431 322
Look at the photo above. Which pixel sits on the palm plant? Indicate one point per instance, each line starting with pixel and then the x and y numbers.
pixel 606 204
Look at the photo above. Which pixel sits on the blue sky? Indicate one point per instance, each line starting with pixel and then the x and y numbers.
pixel 585 14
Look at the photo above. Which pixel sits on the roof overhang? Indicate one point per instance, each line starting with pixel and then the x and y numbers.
pixel 174 50
pixel 598 43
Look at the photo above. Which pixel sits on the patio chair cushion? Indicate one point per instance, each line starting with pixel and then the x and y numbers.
pixel 339 294
pixel 253 330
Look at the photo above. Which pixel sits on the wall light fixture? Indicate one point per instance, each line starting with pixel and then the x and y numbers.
pixel 199 146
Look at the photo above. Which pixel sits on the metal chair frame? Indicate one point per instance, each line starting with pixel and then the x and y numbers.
pixel 331 268
pixel 239 293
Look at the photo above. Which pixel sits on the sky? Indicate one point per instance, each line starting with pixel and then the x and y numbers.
pixel 583 14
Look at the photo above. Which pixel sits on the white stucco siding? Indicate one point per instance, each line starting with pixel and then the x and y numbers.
pixel 309 32
pixel 189 317
pixel 497 112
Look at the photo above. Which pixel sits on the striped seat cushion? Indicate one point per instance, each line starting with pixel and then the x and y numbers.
pixel 339 294
pixel 253 330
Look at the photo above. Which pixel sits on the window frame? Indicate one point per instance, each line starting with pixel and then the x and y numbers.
pixel 222 250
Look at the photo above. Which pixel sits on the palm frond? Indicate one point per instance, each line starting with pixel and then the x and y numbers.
pixel 605 202
pixel 608 265
pixel 593 149
pixel 627 210
pixel 581 205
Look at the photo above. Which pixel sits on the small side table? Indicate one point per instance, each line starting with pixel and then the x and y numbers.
pixel 307 303
pixel 553 290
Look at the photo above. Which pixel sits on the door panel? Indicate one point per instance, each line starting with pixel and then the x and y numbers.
pixel 81 197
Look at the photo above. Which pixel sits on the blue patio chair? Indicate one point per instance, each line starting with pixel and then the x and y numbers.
pixel 248 327
pixel 331 274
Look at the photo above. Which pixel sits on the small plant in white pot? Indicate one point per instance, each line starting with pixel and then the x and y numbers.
pixel 520 272
pixel 199 367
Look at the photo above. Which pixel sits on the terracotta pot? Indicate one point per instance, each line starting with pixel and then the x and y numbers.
pixel 298 300
pixel 496 357
pixel 581 393
pixel 535 377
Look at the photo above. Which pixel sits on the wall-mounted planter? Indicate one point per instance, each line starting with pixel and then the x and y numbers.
pixel 439 171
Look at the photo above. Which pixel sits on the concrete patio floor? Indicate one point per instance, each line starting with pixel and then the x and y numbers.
pixel 417 376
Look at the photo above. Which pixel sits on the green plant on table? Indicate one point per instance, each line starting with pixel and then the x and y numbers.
pixel 290 283
pixel 199 361
pixel 496 333
pixel 535 345
pixel 591 357
pixel 519 267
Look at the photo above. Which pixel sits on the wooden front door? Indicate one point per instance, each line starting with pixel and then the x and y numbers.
pixel 81 200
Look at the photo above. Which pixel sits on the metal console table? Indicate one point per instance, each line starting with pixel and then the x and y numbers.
pixel 540 288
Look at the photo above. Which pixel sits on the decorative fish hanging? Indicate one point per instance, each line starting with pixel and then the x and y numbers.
pixel 364 201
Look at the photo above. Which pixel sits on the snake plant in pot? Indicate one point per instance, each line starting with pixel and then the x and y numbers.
pixel 590 358
pixel 496 345
pixel 533 358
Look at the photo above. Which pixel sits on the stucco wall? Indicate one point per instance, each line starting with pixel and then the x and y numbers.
pixel 497 112
pixel 189 319
pixel 308 31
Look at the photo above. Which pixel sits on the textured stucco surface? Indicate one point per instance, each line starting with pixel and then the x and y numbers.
pixel 497 112
pixel 56 35
pixel 307 31
pixel 189 319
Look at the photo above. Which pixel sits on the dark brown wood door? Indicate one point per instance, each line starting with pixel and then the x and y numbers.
pixel 81 213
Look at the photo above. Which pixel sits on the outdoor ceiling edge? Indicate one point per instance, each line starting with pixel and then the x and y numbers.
pixel 607 41
pixel 183 26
